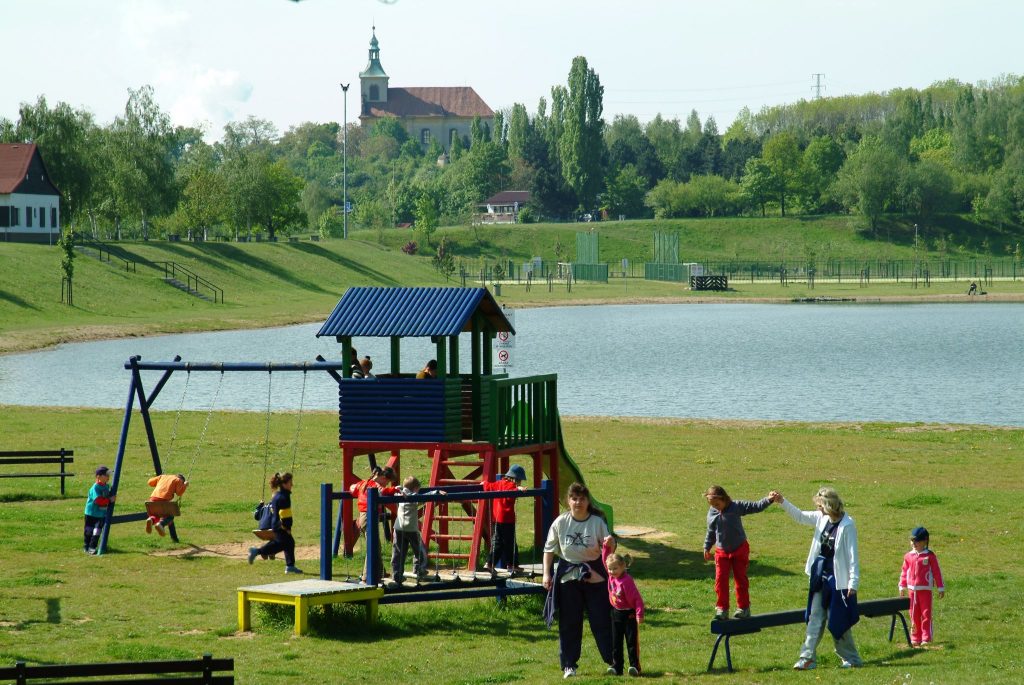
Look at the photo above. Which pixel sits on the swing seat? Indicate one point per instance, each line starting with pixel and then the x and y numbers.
pixel 163 509
pixel 264 534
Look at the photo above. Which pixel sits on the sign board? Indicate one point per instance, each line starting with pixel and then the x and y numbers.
pixel 625 264
pixel 348 207
pixel 503 359
pixel 504 340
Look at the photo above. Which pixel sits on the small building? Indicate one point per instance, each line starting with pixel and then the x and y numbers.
pixel 29 202
pixel 503 207
pixel 433 113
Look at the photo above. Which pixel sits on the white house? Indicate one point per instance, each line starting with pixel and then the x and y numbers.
pixel 29 202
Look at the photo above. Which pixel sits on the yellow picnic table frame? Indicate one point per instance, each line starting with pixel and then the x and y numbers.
pixel 302 594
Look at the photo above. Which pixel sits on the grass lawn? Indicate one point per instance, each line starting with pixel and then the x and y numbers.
pixel 139 602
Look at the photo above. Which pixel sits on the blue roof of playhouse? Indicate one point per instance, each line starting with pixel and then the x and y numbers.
pixel 411 312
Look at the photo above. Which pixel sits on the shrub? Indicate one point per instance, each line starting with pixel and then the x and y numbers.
pixel 410 247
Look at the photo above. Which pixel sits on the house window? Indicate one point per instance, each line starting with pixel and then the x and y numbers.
pixel 374 92
pixel 15 216
pixel 425 136
pixel 5 217
pixel 28 217
pixel 53 217
pixel 42 217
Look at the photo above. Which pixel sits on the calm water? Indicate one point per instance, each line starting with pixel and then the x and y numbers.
pixel 941 363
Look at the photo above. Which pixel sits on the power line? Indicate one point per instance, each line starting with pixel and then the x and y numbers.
pixel 685 102
pixel 701 90
pixel 817 85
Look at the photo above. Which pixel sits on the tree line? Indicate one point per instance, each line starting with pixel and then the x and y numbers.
pixel 951 147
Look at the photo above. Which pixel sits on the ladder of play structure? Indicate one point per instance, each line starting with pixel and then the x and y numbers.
pixel 446 525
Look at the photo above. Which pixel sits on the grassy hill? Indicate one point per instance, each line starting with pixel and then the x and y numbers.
pixel 270 284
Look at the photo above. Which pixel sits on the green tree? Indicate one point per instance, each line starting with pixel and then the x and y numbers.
pixel 204 201
pixel 869 178
pixel 580 146
pixel 925 188
pixel 443 260
pixel 426 216
pixel 820 165
pixel 626 192
pixel 66 243
pixel 713 195
pixel 758 183
pixel 781 154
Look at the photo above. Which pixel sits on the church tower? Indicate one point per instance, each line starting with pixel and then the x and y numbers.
pixel 373 81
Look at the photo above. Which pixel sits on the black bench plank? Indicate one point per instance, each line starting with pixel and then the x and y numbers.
pixel 202 670
pixel 37 453
pixel 36 475
pixel 35 460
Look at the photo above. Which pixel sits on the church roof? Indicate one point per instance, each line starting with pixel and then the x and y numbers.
pixel 442 101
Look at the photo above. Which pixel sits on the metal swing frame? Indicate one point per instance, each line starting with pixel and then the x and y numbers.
pixel 137 392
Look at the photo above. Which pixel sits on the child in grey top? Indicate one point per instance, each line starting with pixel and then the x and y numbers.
pixel 731 550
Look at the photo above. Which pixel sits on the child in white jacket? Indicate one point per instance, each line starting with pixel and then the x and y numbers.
pixel 407 535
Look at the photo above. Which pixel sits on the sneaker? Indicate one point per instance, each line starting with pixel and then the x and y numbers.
pixel 149 525
pixel 925 644
pixel 292 569
pixel 420 575
pixel 569 672
pixel 804 664
pixel 92 550
pixel 848 664
pixel 633 672
pixel 253 553
pixel 721 615
pixel 915 645
pixel 160 529
pixel 611 671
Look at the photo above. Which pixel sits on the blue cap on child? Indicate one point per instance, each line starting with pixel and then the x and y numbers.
pixel 918 534
pixel 102 471
pixel 516 473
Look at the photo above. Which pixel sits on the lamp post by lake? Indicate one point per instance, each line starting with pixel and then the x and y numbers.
pixel 344 161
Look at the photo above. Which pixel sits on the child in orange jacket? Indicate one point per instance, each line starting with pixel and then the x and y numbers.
pixel 165 487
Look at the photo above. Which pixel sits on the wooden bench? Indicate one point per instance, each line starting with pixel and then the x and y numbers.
pixel 742 626
pixel 302 594
pixel 206 670
pixel 61 456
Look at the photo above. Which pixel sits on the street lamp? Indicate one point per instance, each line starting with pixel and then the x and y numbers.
pixel 344 161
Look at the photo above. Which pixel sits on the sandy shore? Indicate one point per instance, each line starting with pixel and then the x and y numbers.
pixel 13 342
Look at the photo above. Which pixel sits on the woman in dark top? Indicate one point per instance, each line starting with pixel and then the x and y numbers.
pixel 281 506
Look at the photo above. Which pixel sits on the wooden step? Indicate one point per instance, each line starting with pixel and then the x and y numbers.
pixel 456 481
pixel 447 555
pixel 435 536
pixel 454 518
pixel 449 462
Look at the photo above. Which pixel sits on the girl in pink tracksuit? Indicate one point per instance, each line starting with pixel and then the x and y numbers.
pixel 921 575
pixel 627 612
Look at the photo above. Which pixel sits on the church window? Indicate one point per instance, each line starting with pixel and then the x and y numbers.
pixel 425 136
pixel 374 93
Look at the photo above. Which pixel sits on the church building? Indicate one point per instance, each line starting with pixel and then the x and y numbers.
pixel 433 113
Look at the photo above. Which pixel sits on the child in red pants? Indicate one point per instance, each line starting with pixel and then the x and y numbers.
pixel 732 552
pixel 919 576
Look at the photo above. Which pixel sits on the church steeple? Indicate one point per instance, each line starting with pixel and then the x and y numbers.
pixel 373 79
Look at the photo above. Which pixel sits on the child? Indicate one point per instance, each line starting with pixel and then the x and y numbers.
pixel 627 611
pixel 382 479
pixel 96 508
pixel 407 534
pixel 504 551
pixel 281 506
pixel 165 487
pixel 919 576
pixel 732 552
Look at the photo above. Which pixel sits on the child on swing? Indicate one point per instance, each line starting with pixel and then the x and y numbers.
pixel 165 487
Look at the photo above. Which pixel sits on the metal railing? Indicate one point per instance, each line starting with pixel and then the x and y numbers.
pixel 193 281
pixel 104 253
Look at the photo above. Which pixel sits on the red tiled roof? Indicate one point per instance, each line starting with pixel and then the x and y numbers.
pixel 444 101
pixel 14 161
pixel 507 197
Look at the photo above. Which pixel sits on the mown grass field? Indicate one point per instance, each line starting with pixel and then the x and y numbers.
pixel 272 284
pixel 964 483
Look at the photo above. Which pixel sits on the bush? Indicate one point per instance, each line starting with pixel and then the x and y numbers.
pixel 410 247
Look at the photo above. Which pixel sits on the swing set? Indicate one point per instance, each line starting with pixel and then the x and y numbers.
pixel 137 392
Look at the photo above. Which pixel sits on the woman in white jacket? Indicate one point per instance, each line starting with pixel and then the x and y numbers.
pixel 833 566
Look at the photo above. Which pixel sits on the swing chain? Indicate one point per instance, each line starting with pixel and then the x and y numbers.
pixel 266 434
pixel 298 421
pixel 206 425
pixel 181 405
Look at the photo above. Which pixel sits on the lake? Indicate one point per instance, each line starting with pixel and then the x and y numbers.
pixel 959 363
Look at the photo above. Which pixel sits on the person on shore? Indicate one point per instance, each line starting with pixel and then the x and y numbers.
pixel 504 550
pixel 731 549
pixel 96 504
pixel 281 524
pixel 579 585
pixel 428 371
pixel 165 487
pixel 833 566
pixel 973 290
pixel 627 612
pixel 919 576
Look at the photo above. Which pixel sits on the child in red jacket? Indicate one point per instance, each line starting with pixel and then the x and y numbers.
pixel 504 550
pixel 919 576
pixel 627 610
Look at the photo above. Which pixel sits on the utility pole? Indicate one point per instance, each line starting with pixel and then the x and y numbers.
pixel 817 85
pixel 344 161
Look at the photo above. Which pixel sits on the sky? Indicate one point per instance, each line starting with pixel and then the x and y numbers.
pixel 214 61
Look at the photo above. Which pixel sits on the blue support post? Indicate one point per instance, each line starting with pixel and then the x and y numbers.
pixel 125 423
pixel 338 529
pixel 547 507
pixel 372 537
pixel 326 570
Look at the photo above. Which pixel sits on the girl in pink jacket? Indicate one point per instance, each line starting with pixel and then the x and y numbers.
pixel 919 576
pixel 627 611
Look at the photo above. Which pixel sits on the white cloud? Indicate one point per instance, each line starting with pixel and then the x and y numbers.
pixel 146 24
pixel 205 95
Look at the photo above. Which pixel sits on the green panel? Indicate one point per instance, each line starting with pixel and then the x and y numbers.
pixel 666 249
pixel 590 272
pixel 587 248
pixel 677 273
